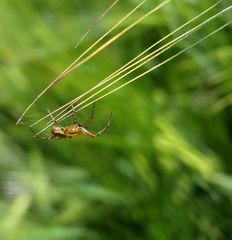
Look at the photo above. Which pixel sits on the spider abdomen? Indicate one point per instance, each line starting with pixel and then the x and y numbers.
pixel 72 131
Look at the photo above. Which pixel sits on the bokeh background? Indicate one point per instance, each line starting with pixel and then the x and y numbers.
pixel 163 169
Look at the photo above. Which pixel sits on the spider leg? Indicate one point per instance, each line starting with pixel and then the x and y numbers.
pixel 74 115
pixel 87 133
pixel 48 137
pixel 91 135
pixel 53 119
pixel 88 122
pixel 106 126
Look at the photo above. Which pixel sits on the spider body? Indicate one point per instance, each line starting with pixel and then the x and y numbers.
pixel 74 129
pixel 70 131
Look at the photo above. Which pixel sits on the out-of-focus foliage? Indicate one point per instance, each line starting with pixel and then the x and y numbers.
pixel 162 171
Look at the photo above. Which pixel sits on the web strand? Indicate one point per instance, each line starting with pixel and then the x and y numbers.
pixel 143 74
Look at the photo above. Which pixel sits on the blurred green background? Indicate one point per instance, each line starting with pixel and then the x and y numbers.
pixel 163 169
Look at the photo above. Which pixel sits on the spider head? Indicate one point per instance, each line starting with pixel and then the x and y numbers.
pixel 57 131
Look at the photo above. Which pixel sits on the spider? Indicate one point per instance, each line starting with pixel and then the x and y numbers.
pixel 74 129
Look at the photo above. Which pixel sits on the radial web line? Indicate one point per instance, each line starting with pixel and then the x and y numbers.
pixel 152 56
pixel 127 65
pixel 167 60
pixel 74 65
pixel 95 52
